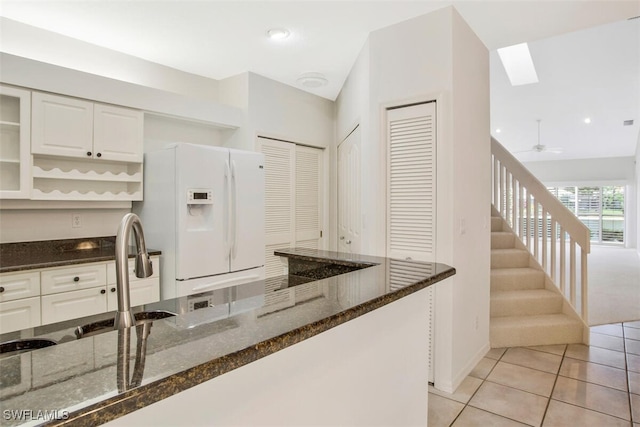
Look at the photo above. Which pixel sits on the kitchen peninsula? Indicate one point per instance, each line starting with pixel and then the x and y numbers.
pixel 341 340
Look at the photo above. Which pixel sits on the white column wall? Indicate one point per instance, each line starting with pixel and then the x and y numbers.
pixel 436 56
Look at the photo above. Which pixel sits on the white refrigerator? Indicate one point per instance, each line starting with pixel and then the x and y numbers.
pixel 203 208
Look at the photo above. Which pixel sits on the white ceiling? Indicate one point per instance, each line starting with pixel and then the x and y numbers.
pixel 219 39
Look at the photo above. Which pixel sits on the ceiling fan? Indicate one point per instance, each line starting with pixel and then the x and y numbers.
pixel 539 148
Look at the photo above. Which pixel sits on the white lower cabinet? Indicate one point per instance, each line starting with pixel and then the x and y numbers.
pixel 65 279
pixel 141 292
pixel 70 305
pixel 40 297
pixel 19 314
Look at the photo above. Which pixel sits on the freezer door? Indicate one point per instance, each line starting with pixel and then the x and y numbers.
pixel 202 241
pixel 247 206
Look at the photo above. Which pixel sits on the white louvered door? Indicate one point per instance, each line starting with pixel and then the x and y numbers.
pixel 411 197
pixel 308 201
pixel 293 199
pixel 411 182
pixel 279 164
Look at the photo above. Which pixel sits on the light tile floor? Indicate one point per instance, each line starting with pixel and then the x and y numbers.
pixel 560 385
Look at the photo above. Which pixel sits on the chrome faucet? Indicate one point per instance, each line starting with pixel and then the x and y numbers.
pixel 124 317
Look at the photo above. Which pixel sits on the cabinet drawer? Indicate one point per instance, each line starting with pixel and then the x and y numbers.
pixel 73 278
pixel 111 270
pixel 142 291
pixel 19 314
pixel 19 285
pixel 71 305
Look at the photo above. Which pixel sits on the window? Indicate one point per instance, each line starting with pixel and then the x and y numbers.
pixel 601 209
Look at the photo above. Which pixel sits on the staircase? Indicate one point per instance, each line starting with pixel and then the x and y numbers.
pixel 526 309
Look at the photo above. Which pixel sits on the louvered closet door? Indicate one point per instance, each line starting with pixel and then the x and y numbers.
pixel 293 199
pixel 308 201
pixel 411 203
pixel 411 182
pixel 279 200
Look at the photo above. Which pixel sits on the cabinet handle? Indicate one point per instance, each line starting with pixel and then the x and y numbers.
pixel 89 153
pixel 113 289
pixel 1 289
pixel 102 291
pixel 76 279
pixel 99 154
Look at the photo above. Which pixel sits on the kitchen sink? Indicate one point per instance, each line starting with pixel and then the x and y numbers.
pixel 106 325
pixel 22 345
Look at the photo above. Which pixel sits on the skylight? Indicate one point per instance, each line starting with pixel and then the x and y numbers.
pixel 518 64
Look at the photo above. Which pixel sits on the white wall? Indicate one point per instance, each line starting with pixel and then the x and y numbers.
pixel 351 110
pixel 24 225
pixel 435 56
pixel 637 182
pixel 41 45
pixel 276 110
pixel 584 170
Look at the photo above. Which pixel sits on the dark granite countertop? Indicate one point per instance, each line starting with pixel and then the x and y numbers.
pixel 56 253
pixel 77 379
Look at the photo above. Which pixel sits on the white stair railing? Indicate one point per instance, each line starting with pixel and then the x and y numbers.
pixel 543 224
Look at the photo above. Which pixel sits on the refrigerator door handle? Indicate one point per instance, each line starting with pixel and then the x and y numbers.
pixel 234 206
pixel 227 222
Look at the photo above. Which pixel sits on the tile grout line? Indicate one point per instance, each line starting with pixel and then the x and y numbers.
pixel 626 371
pixel 555 381
pixel 474 393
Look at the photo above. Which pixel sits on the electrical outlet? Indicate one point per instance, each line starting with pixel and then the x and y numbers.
pixel 76 220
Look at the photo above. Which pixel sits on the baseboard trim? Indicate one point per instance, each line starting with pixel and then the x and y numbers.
pixel 452 386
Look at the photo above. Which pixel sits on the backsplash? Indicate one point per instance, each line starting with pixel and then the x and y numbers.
pixel 23 225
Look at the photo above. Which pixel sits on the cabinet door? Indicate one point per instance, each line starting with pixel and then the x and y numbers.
pixel 19 314
pixel 64 279
pixel 15 138
pixel 61 126
pixel 15 286
pixel 71 305
pixel 117 133
pixel 141 292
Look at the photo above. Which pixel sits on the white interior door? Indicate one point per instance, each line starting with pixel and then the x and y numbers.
pixel 411 179
pixel 349 193
pixel 411 197
pixel 308 179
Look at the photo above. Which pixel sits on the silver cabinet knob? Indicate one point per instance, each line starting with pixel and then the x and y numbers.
pixel 341 237
pixel 348 242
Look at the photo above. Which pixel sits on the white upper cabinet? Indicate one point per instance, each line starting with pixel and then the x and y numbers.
pixel 72 127
pixel 62 126
pixel 117 133
pixel 15 137
pixel 83 150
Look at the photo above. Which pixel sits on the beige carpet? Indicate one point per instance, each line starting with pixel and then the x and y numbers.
pixel 614 285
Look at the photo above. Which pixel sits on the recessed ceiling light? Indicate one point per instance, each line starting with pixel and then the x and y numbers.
pixel 278 33
pixel 587 120
pixel 518 64
pixel 312 80
pixel 498 131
